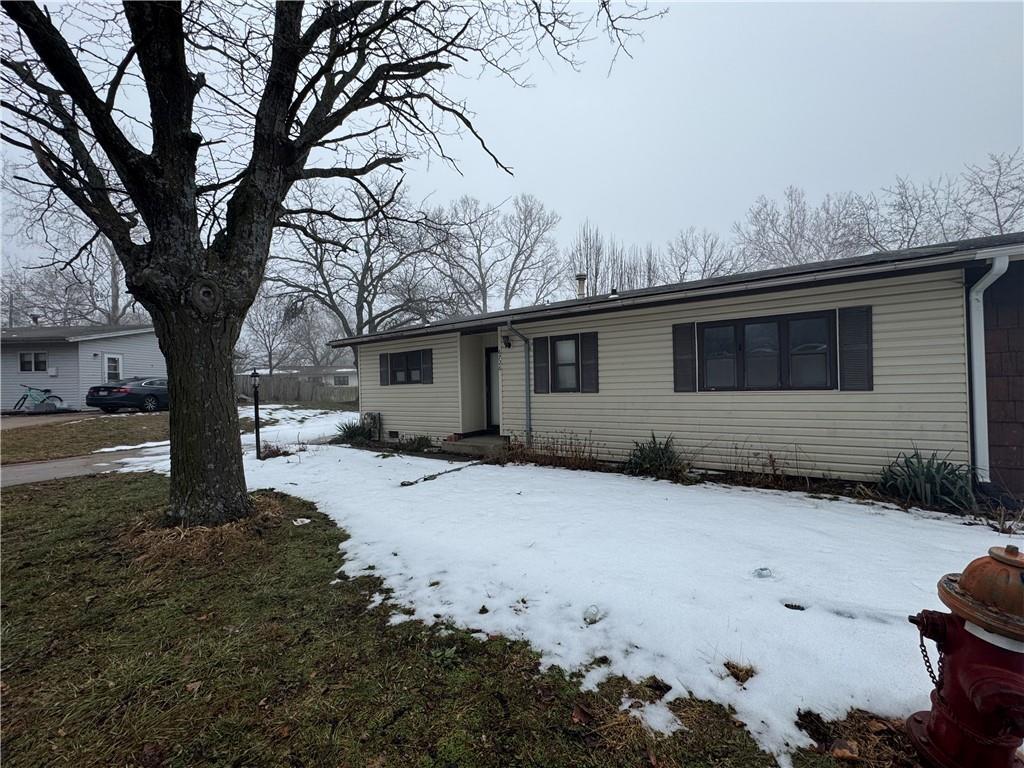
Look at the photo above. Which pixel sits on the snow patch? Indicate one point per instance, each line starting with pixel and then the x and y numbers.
pixel 671 567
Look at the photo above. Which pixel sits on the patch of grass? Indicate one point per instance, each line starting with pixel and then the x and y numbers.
pixel 741 673
pixel 78 438
pixel 127 643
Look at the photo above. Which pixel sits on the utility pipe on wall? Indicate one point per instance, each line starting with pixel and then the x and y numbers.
pixel 526 382
pixel 979 378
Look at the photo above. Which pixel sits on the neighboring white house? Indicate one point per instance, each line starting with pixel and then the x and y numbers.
pixel 70 359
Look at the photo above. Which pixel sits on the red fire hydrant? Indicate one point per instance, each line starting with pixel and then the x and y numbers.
pixel 977 714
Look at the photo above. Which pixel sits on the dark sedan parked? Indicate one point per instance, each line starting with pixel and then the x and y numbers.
pixel 140 393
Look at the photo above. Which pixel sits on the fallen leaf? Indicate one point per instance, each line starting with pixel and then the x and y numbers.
pixel 581 715
pixel 844 750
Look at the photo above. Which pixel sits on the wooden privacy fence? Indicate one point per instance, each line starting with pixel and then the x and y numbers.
pixel 293 388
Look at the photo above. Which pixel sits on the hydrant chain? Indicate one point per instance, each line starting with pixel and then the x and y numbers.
pixel 936 680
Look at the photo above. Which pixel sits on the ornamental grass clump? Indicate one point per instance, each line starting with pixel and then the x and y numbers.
pixel 656 458
pixel 929 482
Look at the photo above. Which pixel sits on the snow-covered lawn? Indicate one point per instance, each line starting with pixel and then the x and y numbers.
pixel 813 593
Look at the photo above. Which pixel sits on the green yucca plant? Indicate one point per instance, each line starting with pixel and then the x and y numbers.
pixel 930 482
pixel 353 432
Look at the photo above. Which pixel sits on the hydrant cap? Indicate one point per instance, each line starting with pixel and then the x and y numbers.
pixel 990 592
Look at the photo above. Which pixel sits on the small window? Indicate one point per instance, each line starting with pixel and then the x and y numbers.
pixel 113 368
pixel 565 364
pixel 340 381
pixel 719 357
pixel 414 367
pixel 32 361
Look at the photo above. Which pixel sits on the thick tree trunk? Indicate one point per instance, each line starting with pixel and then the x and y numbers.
pixel 207 479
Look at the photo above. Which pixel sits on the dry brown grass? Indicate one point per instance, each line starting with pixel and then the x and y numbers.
pixel 78 438
pixel 150 543
pixel 877 742
pixel 741 673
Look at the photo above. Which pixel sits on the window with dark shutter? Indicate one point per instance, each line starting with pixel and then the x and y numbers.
pixel 684 360
pixel 588 362
pixel 541 382
pixel 426 366
pixel 855 349
pixel 385 378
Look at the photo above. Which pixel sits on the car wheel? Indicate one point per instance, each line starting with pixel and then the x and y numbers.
pixel 109 410
pixel 150 404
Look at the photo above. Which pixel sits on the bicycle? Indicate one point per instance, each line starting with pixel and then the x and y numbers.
pixel 36 397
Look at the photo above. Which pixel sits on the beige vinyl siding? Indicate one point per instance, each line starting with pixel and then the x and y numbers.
pixel 414 409
pixel 919 397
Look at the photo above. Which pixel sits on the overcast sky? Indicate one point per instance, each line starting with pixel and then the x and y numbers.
pixel 722 103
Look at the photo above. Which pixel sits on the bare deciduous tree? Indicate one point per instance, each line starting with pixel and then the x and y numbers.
pixel 995 193
pixel 268 331
pixel 777 235
pixel 495 259
pixel 240 101
pixel 362 268
pixel 699 255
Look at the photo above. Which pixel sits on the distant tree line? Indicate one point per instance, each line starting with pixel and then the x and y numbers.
pixel 388 263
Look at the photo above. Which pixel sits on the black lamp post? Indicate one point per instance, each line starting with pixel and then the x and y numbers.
pixel 255 376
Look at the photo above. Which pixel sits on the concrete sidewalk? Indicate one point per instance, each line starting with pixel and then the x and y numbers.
pixel 41 471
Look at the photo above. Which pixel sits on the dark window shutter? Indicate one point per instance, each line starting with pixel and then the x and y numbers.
pixel 541 381
pixel 384 371
pixel 588 362
pixel 684 359
pixel 426 366
pixel 855 353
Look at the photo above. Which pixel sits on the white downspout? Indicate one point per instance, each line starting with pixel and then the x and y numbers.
pixel 979 379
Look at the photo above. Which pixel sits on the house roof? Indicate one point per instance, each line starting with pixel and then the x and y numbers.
pixel 857 267
pixel 40 334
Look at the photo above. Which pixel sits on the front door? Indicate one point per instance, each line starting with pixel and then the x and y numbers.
pixel 492 394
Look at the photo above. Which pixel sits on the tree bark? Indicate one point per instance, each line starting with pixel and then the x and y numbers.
pixel 207 479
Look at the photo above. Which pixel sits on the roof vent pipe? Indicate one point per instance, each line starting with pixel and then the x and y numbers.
pixel 979 379
pixel 581 285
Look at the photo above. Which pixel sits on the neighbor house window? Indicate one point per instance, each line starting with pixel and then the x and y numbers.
pixel 341 381
pixel 32 361
pixel 782 352
pixel 113 367
pixel 413 367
